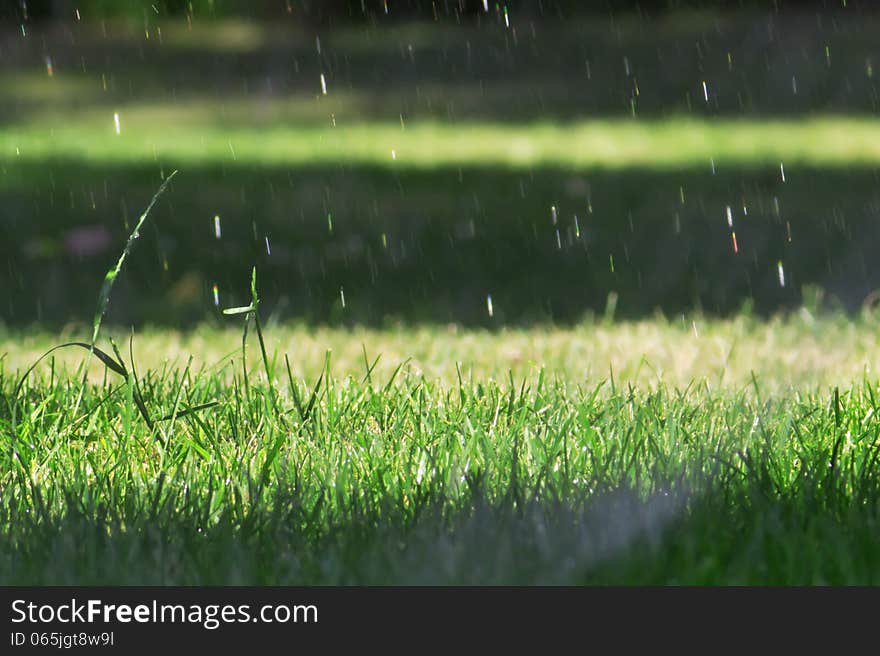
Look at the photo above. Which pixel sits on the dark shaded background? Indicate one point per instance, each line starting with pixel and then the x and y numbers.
pixel 328 11
pixel 432 245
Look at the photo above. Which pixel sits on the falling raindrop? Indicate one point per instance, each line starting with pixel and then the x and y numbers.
pixel 216 295
pixel 489 307
pixel 781 272
pixel 729 213
pixel 116 122
pixel 342 297
pixel 782 171
pixel 323 85
pixel 217 232
pixel 553 214
pixel 268 248
pixel 735 246
pixel 705 91
pixel 50 68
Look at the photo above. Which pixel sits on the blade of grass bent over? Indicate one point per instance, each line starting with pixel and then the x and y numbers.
pixel 110 279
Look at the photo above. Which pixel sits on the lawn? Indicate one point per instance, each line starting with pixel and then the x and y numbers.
pixel 514 328
pixel 586 462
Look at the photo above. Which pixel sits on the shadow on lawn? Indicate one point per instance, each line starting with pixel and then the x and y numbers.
pixel 700 63
pixel 608 539
pixel 364 245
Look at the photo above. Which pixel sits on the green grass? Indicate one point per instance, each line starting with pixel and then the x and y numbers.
pixel 156 136
pixel 372 474
pixel 672 449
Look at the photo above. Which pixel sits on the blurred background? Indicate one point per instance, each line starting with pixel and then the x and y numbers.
pixel 482 163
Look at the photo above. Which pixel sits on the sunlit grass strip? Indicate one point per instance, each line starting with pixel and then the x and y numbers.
pixel 801 351
pixel 827 141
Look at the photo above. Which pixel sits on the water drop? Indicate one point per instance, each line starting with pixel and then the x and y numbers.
pixel 489 307
pixel 116 122
pixel 217 232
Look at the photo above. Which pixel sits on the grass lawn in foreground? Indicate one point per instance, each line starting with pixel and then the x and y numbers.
pixel 370 474
pixel 496 193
